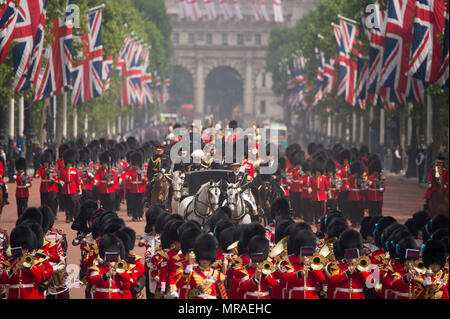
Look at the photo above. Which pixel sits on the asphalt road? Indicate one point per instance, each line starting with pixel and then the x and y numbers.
pixel 402 199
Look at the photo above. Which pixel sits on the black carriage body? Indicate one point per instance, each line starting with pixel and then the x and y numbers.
pixel 194 180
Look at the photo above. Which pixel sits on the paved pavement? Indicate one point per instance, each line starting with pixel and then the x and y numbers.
pixel 403 198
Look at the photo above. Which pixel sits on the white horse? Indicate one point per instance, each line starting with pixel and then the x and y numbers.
pixel 238 203
pixel 201 206
pixel 177 187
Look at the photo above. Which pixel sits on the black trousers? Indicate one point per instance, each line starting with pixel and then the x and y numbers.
pixel 342 201
pixel 355 212
pixel 51 200
pixel 70 205
pixel 307 210
pixel 375 208
pixel 136 203
pixel 421 170
pixel 60 199
pixel 87 195
pixel 22 204
pixel 107 201
pixel 127 199
pixel 332 204
pixel 318 210
pixel 296 203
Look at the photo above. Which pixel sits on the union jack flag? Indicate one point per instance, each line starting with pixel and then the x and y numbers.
pixel 29 34
pixel 426 52
pixel 226 12
pixel 445 55
pixel 57 75
pixel 87 75
pixel 363 71
pixel 346 34
pixel 329 78
pixel 123 62
pixel 396 54
pixel 320 77
pixel 106 73
pixel 135 76
pixel 8 18
pixel 256 11
pixel 194 11
pixel 147 88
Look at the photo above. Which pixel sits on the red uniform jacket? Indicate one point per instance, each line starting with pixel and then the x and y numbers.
pixel 47 184
pixel 167 266
pixel 376 189
pixel 71 179
pixel 110 288
pixel 2 170
pixel 233 291
pixel 342 285
pixel 305 182
pixel 431 178
pixel 356 194
pixel 300 287
pixel 22 188
pixel 249 168
pixel 199 277
pixel 87 177
pixel 294 180
pixel 320 187
pixel 342 173
pixel 250 288
pixel 105 186
pixel 136 183
pixel 136 270
pixel 333 187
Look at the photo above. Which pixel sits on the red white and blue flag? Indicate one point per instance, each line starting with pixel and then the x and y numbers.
pixel 56 77
pixel 106 73
pixel 445 55
pixel 8 18
pixel 426 51
pixel 320 78
pixel 329 77
pixel 87 75
pixel 29 35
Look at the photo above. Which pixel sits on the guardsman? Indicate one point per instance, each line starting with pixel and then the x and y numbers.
pixel 295 174
pixel 25 269
pixel 205 281
pixel 435 282
pixel 334 182
pixel 86 173
pixel 107 276
pixel 356 186
pixel 3 184
pixel 320 188
pixel 438 174
pixel 347 279
pixel 305 182
pixel 376 188
pixel 343 173
pixel 106 179
pixel 159 162
pixel 197 162
pixel 59 168
pixel 49 182
pixel 257 280
pixel 306 275
pixel 136 191
pixel 71 185
pixel 23 182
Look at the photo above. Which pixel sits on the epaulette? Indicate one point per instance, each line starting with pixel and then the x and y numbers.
pixel 163 254
pixel 94 268
pixel 396 275
pixel 244 271
pixel 49 243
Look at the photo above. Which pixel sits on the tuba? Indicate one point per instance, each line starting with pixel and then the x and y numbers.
pixel 363 263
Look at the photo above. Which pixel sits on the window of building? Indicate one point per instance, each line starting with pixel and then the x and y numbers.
pixel 258 39
pixel 240 39
pixel 263 107
pixel 263 82
pixel 191 38
pixel 209 38
pixel 224 39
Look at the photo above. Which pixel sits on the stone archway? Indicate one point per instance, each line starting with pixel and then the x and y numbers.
pixel 224 88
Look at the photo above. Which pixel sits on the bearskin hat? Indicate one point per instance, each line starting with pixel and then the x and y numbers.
pixel 356 167
pixel 70 157
pixel 127 239
pixel 160 222
pixel 364 150
pixel 23 236
pixel 205 247
pixel 170 233
pixel 221 225
pixel 292 148
pixel 350 239
pixel 227 237
pixel 248 231
pixel 303 238
pixel 297 158
pixel 136 158
pixel 87 211
pixel 337 227
pixel 37 230
pixel 280 207
pixel 292 231
pixel 403 245
pixel 259 245
pixel 344 154
pixel 434 252
pixel 151 215
pixel 112 225
pixel 307 166
pixel 84 155
pixel 330 166
pixel 219 214
pixel 379 228
pixel 439 221
pixel 319 165
pixel 374 166
pixel 190 224
pixel 21 164
pixel 312 147
pixel 105 157
pixel 46 156
pixel 32 213
pixel 48 218
pixel 281 229
pixel 417 222
pixel 365 229
pixel 187 239
pixel 111 243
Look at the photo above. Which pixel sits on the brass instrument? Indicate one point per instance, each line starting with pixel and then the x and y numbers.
pixel 419 266
pixel 279 247
pixel 318 261
pixel 267 267
pixel 327 249
pixel 191 257
pixel 121 266
pixel 233 247
pixel 363 263
pixel 27 260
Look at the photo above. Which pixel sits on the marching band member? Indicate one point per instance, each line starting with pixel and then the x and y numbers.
pixel 320 189
pixel 356 187
pixel 106 180
pixel 86 172
pixel 295 188
pixel 23 182
pixel 49 182
pixel 71 185
pixel 305 182
pixel 138 183
pixel 376 189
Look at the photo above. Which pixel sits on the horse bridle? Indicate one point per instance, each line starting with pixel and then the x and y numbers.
pixel 208 204
pixel 243 206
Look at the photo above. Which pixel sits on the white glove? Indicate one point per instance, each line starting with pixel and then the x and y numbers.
pixel 174 294
pixel 189 268
pixel 163 170
pixel 426 282
pixel 91 175
pixel 28 185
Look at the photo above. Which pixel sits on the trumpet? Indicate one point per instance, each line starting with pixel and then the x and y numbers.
pixel 121 266
pixel 419 266
pixel 267 267
pixel 318 261
pixel 363 263
pixel 27 260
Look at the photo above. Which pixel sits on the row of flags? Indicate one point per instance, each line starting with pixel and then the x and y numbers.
pixel 88 75
pixel 229 9
pixel 409 45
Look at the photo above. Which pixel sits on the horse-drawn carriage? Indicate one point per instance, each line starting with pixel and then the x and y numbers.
pixel 194 180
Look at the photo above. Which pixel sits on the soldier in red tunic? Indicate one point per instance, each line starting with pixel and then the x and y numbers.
pixel 320 188
pixel 342 172
pixel 49 182
pixel 376 188
pixel 305 182
pixel 23 182
pixel 295 174
pixel 106 179
pixel 136 189
pixel 71 185
pixel 357 186
pixel 86 172
pixel 334 183
pixel 438 174
pixel 3 184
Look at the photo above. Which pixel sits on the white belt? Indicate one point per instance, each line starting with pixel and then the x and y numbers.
pixel 300 289
pixel 243 279
pixel 107 290
pixel 401 294
pixel 137 182
pixel 374 190
pixel 355 190
pixel 205 296
pixel 347 290
pixel 21 286
pixel 46 180
pixel 21 186
pixel 256 294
